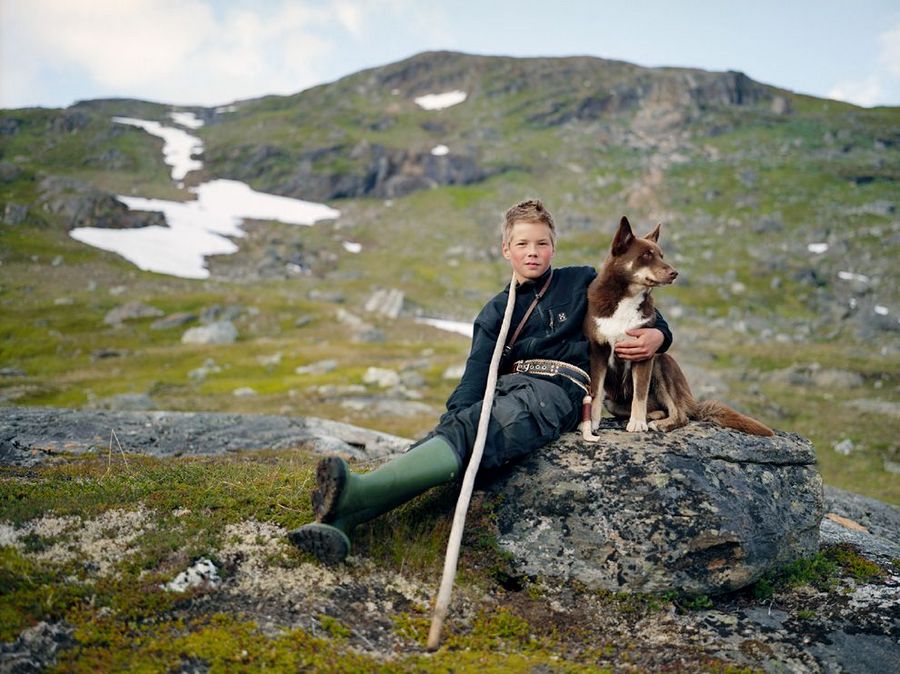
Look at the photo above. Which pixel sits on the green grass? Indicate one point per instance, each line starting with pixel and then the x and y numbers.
pixel 821 571
pixel 124 621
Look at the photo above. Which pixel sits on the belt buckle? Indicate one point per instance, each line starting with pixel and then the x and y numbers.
pixel 538 367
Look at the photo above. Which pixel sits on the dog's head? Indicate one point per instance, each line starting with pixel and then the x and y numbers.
pixel 641 259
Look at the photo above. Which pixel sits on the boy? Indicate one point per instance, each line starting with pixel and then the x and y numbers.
pixel 539 392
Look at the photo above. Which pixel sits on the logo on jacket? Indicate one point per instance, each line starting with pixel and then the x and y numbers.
pixel 561 317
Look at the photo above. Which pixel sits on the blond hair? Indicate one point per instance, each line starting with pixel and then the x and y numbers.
pixel 531 210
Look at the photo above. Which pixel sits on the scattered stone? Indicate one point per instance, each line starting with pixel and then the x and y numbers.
pixel 303 321
pixel 330 296
pixel 833 378
pixel 362 332
pixel 176 320
pixel 244 392
pixel 768 225
pixel 780 105
pixel 844 447
pixel 269 361
pixel 102 354
pixel 201 574
pixel 412 379
pixel 9 171
pixel 381 377
pixel 318 367
pixel 881 207
pixel 351 319
pixel 209 367
pixel 217 313
pixel 880 518
pixel 220 332
pixel 814 374
pixel 336 391
pixel 14 214
pixel 125 402
pixel 454 372
pixel 382 407
pixel 702 510
pixel 11 372
pixel 131 311
pixel 35 648
pixel 387 302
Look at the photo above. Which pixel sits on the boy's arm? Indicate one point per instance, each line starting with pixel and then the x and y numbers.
pixel 647 341
pixel 474 380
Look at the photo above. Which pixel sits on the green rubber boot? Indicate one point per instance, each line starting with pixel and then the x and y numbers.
pixel 342 499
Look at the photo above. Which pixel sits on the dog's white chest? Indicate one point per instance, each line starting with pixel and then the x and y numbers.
pixel 627 316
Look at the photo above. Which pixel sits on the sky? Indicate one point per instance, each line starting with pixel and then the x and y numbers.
pixel 212 52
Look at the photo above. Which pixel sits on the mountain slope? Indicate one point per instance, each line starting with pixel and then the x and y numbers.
pixel 779 211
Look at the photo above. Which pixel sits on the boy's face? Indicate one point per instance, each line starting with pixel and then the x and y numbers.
pixel 529 249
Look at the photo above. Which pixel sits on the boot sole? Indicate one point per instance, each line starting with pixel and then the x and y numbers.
pixel 328 544
pixel 331 476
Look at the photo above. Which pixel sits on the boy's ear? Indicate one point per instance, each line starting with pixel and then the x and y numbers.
pixel 623 238
pixel 654 235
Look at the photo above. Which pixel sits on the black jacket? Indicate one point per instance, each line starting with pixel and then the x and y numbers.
pixel 553 331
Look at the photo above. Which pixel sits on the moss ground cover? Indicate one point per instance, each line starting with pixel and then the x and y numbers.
pixel 121 619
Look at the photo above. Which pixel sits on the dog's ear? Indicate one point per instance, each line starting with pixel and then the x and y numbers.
pixel 623 238
pixel 654 235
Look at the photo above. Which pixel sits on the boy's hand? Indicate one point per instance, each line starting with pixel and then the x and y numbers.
pixel 646 342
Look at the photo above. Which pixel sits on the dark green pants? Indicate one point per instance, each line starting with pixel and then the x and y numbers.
pixel 528 413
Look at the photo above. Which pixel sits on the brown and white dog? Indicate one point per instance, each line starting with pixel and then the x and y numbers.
pixel 619 300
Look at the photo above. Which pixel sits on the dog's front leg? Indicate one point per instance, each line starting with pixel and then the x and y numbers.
pixel 590 420
pixel 641 373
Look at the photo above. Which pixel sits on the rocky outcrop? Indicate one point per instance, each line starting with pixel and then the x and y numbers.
pixel 31 435
pixel 339 171
pixel 218 332
pixel 702 510
pixel 81 205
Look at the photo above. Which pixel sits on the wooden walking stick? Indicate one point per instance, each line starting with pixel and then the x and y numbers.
pixel 465 495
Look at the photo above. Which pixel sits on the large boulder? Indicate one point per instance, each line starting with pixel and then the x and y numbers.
pixel 701 510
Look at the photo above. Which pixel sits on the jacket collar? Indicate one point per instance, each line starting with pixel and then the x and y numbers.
pixel 533 284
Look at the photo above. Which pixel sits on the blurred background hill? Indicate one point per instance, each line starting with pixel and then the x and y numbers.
pixel 778 209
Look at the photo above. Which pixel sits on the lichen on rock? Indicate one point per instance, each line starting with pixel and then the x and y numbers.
pixel 701 510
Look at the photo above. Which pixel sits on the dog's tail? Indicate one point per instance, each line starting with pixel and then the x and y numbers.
pixel 716 412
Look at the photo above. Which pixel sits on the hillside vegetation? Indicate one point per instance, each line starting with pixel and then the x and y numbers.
pixel 743 176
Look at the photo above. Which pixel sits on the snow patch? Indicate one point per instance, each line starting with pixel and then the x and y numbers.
pixel 440 150
pixel 817 248
pixel 850 276
pixel 352 246
pixel 458 327
pixel 441 101
pixel 179 147
pixel 187 119
pixel 198 228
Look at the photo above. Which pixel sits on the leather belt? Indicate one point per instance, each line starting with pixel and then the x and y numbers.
pixel 553 368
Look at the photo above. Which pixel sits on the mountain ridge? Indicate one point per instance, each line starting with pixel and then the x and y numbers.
pixel 779 210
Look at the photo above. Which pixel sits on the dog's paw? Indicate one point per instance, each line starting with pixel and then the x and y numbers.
pixel 587 433
pixel 637 426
